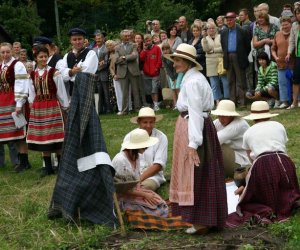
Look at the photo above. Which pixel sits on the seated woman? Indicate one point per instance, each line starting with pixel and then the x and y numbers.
pixel 267 82
pixel 126 164
pixel 272 188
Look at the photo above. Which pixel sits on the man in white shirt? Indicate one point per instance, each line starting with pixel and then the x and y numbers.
pixel 230 129
pixel 153 160
pixel 79 59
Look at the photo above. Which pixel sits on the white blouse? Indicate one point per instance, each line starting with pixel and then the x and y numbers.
pixel 60 86
pixel 195 97
pixel 123 167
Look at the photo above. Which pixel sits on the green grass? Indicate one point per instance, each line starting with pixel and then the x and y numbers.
pixel 25 198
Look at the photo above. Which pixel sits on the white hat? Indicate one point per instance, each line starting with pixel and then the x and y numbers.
pixel 146 112
pixel 139 138
pixel 225 108
pixel 259 110
pixel 187 52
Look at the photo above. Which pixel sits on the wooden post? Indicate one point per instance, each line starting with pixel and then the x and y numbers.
pixel 120 218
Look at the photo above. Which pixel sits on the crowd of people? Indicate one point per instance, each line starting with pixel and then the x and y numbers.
pixel 211 64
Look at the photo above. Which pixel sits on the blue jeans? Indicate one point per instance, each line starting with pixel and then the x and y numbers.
pixel 283 85
pixel 216 88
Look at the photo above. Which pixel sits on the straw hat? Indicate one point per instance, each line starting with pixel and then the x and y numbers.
pixel 139 138
pixel 146 112
pixel 187 52
pixel 259 110
pixel 225 108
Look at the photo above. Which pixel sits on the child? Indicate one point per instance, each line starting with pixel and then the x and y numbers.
pixel 174 79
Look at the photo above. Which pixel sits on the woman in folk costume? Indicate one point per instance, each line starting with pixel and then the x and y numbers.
pixel 47 96
pixel 197 189
pixel 13 96
pixel 272 188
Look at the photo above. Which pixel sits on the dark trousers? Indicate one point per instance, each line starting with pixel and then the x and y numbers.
pixel 13 153
pixel 236 80
pixel 104 98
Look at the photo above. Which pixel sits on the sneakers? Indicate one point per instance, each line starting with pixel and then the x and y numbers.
pixel 277 104
pixel 283 105
pixel 156 107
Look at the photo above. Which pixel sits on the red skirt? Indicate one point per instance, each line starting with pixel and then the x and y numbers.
pixel 270 193
pixel 8 130
pixel 45 124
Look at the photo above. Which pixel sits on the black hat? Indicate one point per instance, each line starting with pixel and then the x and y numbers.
pixel 40 40
pixel 100 32
pixel 76 31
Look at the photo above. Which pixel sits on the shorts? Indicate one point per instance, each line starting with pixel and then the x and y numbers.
pixel 152 85
pixel 264 93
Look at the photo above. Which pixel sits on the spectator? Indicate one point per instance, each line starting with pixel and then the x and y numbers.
pixel 236 46
pixel 155 27
pixel 220 21
pixel 128 71
pixel 214 53
pixel 173 39
pixel 264 9
pixel 279 53
pixel 151 56
pixel 16 49
pixel 185 33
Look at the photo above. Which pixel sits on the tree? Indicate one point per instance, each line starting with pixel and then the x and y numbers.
pixel 21 22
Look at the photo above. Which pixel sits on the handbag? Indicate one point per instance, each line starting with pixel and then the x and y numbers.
pixel 167 94
pixel 221 70
pixel 19 120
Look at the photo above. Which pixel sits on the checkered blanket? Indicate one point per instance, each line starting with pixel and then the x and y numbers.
pixel 138 219
pixel 86 195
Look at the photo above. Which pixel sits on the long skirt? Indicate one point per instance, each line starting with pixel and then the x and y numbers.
pixel 8 130
pixel 209 201
pixel 270 193
pixel 46 127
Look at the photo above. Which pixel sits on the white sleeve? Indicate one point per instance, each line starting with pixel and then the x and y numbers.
pixel 245 141
pixel 90 64
pixel 21 84
pixel 31 91
pixel 195 109
pixel 161 154
pixel 229 132
pixel 61 90
pixel 62 66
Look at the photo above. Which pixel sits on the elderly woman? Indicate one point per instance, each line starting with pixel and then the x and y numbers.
pixel 263 34
pixel 214 53
pixel 272 188
pixel 197 189
pixel 279 53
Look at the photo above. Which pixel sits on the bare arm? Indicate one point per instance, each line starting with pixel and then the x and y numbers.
pixel 151 171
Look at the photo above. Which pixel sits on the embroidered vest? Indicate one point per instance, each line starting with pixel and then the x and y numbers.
pixel 44 85
pixel 72 59
pixel 7 77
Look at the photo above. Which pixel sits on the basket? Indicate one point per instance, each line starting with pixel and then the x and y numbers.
pixel 123 187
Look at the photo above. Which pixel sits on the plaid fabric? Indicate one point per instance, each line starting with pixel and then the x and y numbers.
pixel 8 130
pixel 86 195
pixel 271 191
pixel 210 201
pixel 138 219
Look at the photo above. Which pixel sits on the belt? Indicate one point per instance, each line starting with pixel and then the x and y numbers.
pixel 185 114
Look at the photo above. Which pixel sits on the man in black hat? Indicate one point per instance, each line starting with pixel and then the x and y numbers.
pixel 79 59
pixel 45 41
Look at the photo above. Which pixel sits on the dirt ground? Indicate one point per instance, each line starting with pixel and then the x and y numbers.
pixel 242 238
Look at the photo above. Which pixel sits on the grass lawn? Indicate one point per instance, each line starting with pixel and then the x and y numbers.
pixel 25 197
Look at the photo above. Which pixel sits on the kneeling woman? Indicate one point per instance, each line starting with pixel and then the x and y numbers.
pixel 126 164
pixel 47 96
pixel 272 188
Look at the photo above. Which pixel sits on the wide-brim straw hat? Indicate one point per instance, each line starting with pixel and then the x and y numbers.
pixel 259 110
pixel 187 52
pixel 146 112
pixel 225 108
pixel 138 139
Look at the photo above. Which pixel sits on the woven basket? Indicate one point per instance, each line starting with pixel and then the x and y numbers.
pixel 123 187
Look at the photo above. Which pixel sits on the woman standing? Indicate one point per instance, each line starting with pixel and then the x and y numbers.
pixel 173 39
pixel 47 96
pixel 214 53
pixel 196 42
pixel 294 49
pixel 279 53
pixel 197 189
pixel 127 166
pixel 13 96
pixel 272 188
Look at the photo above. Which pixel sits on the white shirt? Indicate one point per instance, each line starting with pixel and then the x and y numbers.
pixel 89 65
pixel 60 86
pixel 21 82
pixel 195 97
pixel 123 167
pixel 268 136
pixel 157 153
pixel 232 134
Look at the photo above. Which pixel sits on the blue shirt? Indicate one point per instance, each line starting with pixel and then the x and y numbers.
pixel 232 40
